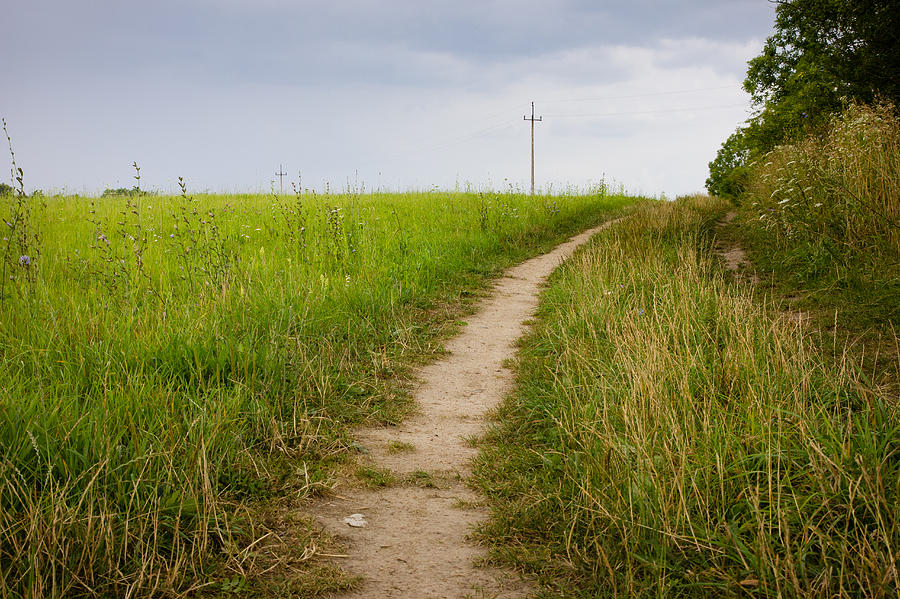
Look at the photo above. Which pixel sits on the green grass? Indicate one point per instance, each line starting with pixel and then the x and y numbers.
pixel 672 437
pixel 166 363
pixel 823 215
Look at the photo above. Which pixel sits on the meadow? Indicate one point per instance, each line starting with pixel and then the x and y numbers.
pixel 673 434
pixel 168 363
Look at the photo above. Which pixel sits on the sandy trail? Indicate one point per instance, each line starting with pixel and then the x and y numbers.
pixel 415 541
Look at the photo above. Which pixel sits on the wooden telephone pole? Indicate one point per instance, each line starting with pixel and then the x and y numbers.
pixel 280 174
pixel 532 119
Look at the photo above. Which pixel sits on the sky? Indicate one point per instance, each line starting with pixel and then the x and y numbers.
pixel 391 95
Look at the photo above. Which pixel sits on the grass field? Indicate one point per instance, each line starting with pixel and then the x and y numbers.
pixel 167 362
pixel 672 435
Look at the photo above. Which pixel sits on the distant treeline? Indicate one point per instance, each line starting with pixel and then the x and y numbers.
pixel 125 192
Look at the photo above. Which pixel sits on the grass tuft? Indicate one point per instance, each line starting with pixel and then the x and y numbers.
pixel 668 438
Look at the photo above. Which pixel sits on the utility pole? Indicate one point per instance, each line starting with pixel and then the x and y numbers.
pixel 280 174
pixel 532 119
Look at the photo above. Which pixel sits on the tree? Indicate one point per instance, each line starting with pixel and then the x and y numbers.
pixel 728 172
pixel 823 54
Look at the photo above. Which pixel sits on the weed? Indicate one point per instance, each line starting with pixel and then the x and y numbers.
pixel 21 234
pixel 395 447
pixel 376 477
pixel 422 479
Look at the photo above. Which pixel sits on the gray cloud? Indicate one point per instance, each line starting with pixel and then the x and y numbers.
pixel 226 88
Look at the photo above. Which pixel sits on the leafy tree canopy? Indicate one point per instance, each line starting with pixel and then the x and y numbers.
pixel 822 54
pixel 728 172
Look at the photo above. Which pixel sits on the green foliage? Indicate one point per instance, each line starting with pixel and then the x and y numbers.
pixel 728 172
pixel 6 190
pixel 123 192
pixel 176 357
pixel 668 439
pixel 822 55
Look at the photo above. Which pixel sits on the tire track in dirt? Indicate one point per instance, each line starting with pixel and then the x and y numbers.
pixel 415 541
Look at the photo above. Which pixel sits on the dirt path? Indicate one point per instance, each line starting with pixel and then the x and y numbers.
pixel 733 255
pixel 414 543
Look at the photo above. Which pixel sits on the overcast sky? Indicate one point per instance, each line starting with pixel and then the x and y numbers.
pixel 395 94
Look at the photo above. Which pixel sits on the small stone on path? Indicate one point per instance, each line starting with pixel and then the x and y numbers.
pixel 356 520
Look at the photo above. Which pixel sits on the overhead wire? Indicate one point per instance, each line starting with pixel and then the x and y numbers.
pixel 641 95
pixel 509 122
pixel 644 112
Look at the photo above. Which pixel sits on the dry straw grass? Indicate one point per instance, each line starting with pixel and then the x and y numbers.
pixel 671 439
pixel 839 190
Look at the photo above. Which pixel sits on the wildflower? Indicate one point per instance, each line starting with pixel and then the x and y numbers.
pixel 172 235
pixel 25 260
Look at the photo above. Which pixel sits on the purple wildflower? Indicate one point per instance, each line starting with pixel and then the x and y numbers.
pixel 25 260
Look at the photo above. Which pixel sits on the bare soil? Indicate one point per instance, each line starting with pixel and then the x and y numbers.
pixel 732 254
pixel 415 542
pixel 735 260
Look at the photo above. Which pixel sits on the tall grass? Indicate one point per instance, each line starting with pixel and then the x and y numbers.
pixel 169 360
pixel 827 208
pixel 669 438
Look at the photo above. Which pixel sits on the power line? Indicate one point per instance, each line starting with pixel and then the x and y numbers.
pixel 637 112
pixel 642 95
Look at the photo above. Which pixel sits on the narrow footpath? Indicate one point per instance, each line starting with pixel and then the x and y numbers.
pixel 414 539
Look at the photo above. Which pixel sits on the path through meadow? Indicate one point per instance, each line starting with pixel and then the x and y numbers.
pixel 414 542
